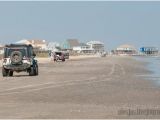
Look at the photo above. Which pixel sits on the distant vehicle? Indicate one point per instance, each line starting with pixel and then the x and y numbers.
pixel 66 55
pixel 103 54
pixel 59 56
pixel 18 58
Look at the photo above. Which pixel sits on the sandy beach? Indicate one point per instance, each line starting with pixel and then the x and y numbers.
pixel 95 87
pixel 46 60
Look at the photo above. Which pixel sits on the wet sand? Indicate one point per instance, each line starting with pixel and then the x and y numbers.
pixel 82 88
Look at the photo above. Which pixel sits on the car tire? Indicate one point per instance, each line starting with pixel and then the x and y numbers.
pixel 36 70
pixel 57 58
pixel 4 72
pixel 31 72
pixel 18 59
pixel 10 73
pixel 63 60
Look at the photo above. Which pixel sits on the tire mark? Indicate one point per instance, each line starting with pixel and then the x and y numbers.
pixel 53 85
pixel 122 69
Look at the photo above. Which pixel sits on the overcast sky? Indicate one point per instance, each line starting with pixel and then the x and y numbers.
pixel 114 23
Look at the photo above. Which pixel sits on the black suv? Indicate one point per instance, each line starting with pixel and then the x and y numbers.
pixel 18 58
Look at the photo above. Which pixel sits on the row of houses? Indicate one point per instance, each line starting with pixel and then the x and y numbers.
pixel 39 44
pixel 131 50
pixel 90 47
pixel 71 45
pixel 67 45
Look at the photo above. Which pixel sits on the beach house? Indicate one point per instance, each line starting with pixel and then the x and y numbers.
pixel 125 50
pixel 69 44
pixel 53 46
pixel 36 43
pixel 97 46
pixel 83 48
pixel 1 49
pixel 149 51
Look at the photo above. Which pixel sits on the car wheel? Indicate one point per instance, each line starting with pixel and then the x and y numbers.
pixel 36 70
pixel 4 72
pixel 63 60
pixel 57 58
pixel 16 57
pixel 10 73
pixel 31 72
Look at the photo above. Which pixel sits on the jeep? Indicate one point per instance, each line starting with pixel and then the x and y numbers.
pixel 59 56
pixel 18 58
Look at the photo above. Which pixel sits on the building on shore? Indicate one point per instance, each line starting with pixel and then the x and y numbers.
pixel 91 47
pixel 69 44
pixel 97 46
pixel 53 46
pixel 149 51
pixel 83 49
pixel 37 44
pixel 125 50
pixel 1 49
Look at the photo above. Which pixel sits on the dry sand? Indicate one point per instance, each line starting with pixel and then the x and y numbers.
pixel 82 88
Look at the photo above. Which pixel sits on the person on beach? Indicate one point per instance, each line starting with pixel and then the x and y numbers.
pixel 52 55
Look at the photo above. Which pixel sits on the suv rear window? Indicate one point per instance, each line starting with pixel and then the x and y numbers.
pixel 10 50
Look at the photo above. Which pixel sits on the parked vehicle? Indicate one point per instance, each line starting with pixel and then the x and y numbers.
pixel 18 58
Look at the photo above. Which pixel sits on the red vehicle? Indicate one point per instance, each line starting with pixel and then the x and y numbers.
pixel 59 56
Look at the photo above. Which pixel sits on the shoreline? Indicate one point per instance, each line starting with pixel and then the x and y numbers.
pixel 148 72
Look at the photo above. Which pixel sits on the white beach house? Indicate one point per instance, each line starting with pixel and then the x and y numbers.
pixel 97 46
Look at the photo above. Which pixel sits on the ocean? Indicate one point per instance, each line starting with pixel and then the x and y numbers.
pixel 153 66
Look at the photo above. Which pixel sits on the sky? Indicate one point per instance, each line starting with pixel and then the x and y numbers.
pixel 112 22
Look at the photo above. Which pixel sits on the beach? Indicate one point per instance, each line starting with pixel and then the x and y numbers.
pixel 47 60
pixel 82 87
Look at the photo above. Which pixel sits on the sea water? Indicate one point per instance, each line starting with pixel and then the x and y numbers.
pixel 153 66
